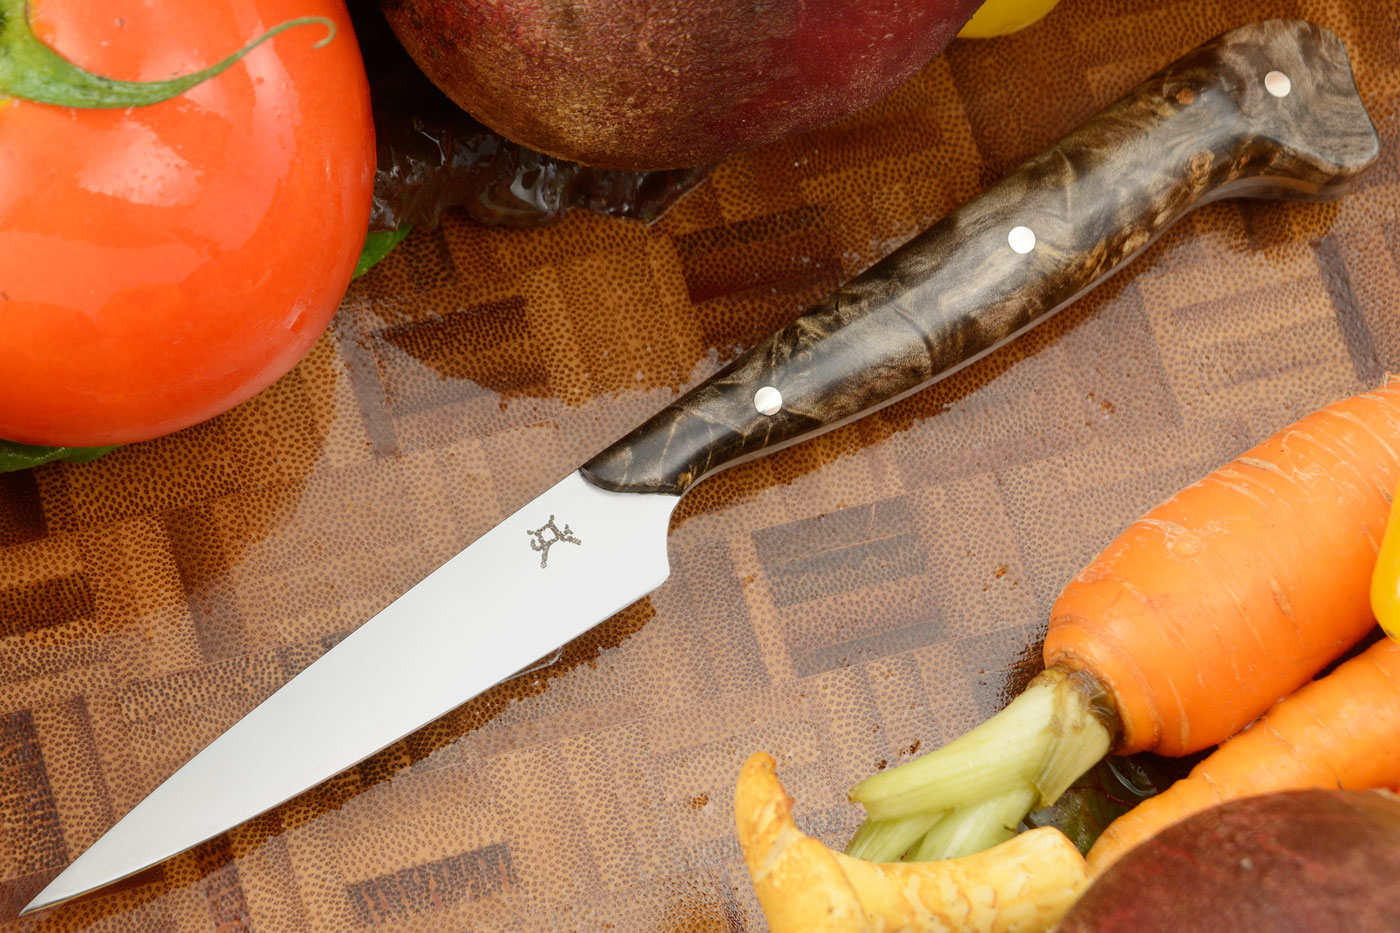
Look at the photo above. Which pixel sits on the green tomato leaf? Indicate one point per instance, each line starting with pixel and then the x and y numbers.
pixel 377 246
pixel 23 456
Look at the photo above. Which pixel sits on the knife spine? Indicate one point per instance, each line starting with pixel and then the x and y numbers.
pixel 1204 128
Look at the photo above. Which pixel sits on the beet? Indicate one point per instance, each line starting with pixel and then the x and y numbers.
pixel 1307 860
pixel 434 156
pixel 660 84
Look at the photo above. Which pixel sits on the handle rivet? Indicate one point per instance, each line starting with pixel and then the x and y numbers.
pixel 1277 83
pixel 1021 239
pixel 768 400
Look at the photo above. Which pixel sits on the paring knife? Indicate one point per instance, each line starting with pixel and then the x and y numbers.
pixel 1267 110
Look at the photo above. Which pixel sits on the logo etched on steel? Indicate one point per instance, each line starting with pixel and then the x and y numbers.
pixel 542 544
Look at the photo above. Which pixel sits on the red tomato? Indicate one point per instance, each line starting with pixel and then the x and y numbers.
pixel 161 264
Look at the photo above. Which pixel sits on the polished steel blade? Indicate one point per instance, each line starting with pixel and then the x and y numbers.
pixel 571 558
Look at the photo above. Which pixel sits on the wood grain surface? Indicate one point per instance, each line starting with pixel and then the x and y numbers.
pixel 839 604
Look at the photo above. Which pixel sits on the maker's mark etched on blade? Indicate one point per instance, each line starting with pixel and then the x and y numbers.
pixel 539 543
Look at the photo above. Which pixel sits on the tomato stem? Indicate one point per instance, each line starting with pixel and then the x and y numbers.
pixel 31 70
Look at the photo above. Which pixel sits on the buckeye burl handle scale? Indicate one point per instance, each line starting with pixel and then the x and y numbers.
pixel 1269 110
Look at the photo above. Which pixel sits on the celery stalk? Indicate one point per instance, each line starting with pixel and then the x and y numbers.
pixel 975 827
pixel 888 840
pixel 991 777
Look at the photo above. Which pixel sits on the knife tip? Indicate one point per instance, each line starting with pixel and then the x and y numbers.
pixel 58 891
pixel 42 900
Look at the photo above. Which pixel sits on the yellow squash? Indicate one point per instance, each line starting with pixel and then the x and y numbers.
pixel 1000 17
pixel 1025 884
pixel 1385 579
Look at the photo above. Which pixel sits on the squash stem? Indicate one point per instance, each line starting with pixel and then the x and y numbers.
pixel 1021 759
pixel 31 70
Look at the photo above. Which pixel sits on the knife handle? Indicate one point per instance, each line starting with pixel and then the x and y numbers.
pixel 1268 110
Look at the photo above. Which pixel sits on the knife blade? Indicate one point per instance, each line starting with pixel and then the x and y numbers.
pixel 1266 110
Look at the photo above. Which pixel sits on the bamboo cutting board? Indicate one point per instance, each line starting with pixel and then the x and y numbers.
pixel 842 604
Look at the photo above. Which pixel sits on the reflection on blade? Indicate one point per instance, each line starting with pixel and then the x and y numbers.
pixel 568 560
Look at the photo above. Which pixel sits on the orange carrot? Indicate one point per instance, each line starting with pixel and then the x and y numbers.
pixel 1342 730
pixel 1220 601
pixel 1243 586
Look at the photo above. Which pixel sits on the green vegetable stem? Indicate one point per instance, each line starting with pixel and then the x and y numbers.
pixel 973 793
pixel 33 71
